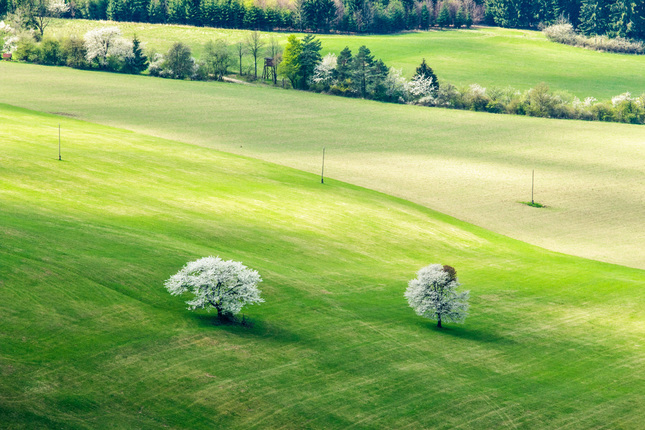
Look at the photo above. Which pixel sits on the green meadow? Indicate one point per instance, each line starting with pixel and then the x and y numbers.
pixel 474 166
pixel 90 339
pixel 486 56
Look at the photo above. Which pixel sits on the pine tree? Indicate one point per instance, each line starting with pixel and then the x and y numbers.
pixel 115 10
pixel 362 64
pixel 595 17
pixel 425 19
pixel 343 65
pixel 139 61
pixel 460 19
pixel 621 18
pixel 309 58
pixel 443 20
pixel 412 20
pixel 637 30
pixel 426 71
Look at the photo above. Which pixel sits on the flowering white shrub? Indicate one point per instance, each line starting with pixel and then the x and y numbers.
pixel 420 87
pixel 625 97
pixel 226 286
pixel 9 37
pixel 396 85
pixel 583 104
pixel 106 42
pixel 324 71
pixel 476 90
pixel 156 65
pixel 433 294
pixel 564 33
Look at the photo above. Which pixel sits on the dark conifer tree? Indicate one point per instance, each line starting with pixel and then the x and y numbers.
pixel 595 16
pixel 426 71
pixel 443 20
pixel 139 61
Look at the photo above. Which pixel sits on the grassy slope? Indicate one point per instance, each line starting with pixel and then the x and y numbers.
pixel 487 56
pixel 470 165
pixel 91 340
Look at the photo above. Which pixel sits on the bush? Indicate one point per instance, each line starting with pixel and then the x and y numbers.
pixel 179 63
pixel 475 98
pixel 564 33
pixel 448 96
pixel 52 53
pixel 27 50
pixel 156 65
pixel 74 52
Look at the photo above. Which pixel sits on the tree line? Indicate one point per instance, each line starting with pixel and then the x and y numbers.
pixel 360 16
pixel 613 18
pixel 350 74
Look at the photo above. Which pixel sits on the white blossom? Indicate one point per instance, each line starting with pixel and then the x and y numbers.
pixel 156 65
pixel 420 87
pixel 433 294
pixel 105 42
pixel 477 90
pixel 9 37
pixel 57 7
pixel 625 97
pixel 581 104
pixel 324 71
pixel 226 286
pixel 396 85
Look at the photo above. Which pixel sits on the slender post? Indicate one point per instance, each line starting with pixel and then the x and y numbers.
pixel 59 157
pixel 322 172
pixel 532 185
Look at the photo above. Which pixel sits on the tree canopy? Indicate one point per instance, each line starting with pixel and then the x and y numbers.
pixel 433 294
pixel 226 286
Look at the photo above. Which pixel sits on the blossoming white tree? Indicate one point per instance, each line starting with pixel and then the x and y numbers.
pixel 8 37
pixel 324 71
pixel 106 42
pixel 433 294
pixel 226 286
pixel 421 87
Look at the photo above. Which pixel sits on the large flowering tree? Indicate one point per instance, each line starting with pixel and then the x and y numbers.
pixel 226 286
pixel 433 294
pixel 105 42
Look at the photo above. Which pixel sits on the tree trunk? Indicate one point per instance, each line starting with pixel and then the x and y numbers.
pixel 439 321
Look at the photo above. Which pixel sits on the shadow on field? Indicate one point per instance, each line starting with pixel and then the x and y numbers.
pixel 250 328
pixel 469 334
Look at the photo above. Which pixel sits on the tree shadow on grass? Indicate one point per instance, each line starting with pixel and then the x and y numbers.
pixel 248 328
pixel 467 333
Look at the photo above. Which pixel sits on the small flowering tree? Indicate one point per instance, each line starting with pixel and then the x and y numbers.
pixel 433 294
pixel 421 88
pixel 324 72
pixel 8 37
pixel 396 86
pixel 226 286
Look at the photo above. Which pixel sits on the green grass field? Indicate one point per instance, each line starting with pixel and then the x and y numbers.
pixel 487 56
pixel 90 339
pixel 474 166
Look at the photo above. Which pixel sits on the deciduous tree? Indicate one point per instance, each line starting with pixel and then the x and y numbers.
pixel 217 58
pixel 290 66
pixel 433 294
pixel 226 286
pixel 254 45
